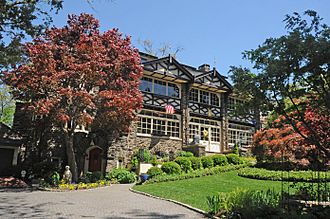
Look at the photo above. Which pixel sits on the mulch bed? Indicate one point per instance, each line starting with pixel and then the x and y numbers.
pixel 11 182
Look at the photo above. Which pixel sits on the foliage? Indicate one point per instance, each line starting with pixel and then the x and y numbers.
pixel 311 191
pixel 236 149
pixel 234 159
pixel 171 168
pixel 135 162
pixel 196 163
pixel 207 161
pixel 55 178
pixel 121 176
pixel 144 155
pixel 219 160
pixel 7 106
pixel 184 154
pixel 196 173
pixel 154 171
pixel 83 185
pixel 246 204
pixel 281 142
pixel 292 67
pixel 77 75
pixel 21 19
pixel 295 176
pixel 185 163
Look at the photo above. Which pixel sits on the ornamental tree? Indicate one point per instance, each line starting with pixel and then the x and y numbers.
pixel 282 141
pixel 77 75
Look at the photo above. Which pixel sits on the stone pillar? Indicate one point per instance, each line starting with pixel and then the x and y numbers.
pixel 185 114
pixel 224 122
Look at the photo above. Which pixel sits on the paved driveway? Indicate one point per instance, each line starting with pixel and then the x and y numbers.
pixel 111 202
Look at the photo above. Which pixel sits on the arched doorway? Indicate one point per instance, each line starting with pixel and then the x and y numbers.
pixel 95 159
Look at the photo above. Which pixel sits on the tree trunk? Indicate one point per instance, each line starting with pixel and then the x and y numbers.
pixel 71 155
pixel 257 118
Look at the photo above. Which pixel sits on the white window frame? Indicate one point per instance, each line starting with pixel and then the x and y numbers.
pixel 240 130
pixel 166 126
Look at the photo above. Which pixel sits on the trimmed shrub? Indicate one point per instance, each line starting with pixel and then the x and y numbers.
pixel 207 162
pixel 219 160
pixel 195 173
pixel 236 149
pixel 121 175
pixel 154 171
pixel 184 154
pixel 233 159
pixel 171 168
pixel 196 163
pixel 184 163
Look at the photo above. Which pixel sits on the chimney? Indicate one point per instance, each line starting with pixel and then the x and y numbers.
pixel 204 68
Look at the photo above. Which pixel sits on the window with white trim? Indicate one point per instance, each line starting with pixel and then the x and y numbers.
pixel 201 127
pixel 240 134
pixel 158 123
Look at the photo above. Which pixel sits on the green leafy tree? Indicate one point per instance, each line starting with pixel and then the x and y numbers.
pixel 293 66
pixel 20 19
pixel 7 106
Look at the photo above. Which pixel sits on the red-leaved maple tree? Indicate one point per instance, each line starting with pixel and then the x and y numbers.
pixel 282 141
pixel 77 75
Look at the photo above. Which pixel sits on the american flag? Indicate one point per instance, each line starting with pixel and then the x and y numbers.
pixel 169 109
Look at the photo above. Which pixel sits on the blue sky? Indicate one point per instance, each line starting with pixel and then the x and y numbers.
pixel 209 31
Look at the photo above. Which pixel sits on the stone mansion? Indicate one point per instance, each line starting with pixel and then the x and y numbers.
pixel 181 103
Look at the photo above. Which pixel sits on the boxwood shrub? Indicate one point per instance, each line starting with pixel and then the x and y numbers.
pixel 121 175
pixel 196 163
pixel 207 162
pixel 234 159
pixel 184 162
pixel 219 160
pixel 184 154
pixel 195 173
pixel 275 175
pixel 171 167
pixel 154 171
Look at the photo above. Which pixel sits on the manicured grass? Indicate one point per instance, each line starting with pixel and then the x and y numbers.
pixel 194 191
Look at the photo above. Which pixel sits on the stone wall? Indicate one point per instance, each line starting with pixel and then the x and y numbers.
pixel 121 151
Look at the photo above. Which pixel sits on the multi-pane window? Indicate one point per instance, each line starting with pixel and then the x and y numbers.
pixel 173 90
pixel 215 134
pixel 146 84
pixel 205 97
pixel 159 87
pixel 240 134
pixel 193 95
pixel 208 130
pixel 233 103
pixel 214 99
pixel 145 125
pixel 156 123
pixel 193 131
pixel 159 127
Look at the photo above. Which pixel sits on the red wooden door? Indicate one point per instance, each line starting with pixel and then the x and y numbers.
pixel 95 160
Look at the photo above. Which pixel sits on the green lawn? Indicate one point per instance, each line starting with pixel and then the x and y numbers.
pixel 194 191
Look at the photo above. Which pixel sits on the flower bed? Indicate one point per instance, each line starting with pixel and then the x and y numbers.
pixel 79 186
pixel 296 176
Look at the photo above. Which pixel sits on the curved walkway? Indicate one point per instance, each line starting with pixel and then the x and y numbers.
pixel 110 202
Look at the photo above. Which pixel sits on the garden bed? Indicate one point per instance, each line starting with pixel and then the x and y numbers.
pixel 63 187
pixel 292 176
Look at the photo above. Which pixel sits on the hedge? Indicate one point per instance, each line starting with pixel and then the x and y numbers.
pixel 296 176
pixel 184 163
pixel 196 173
pixel 171 168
